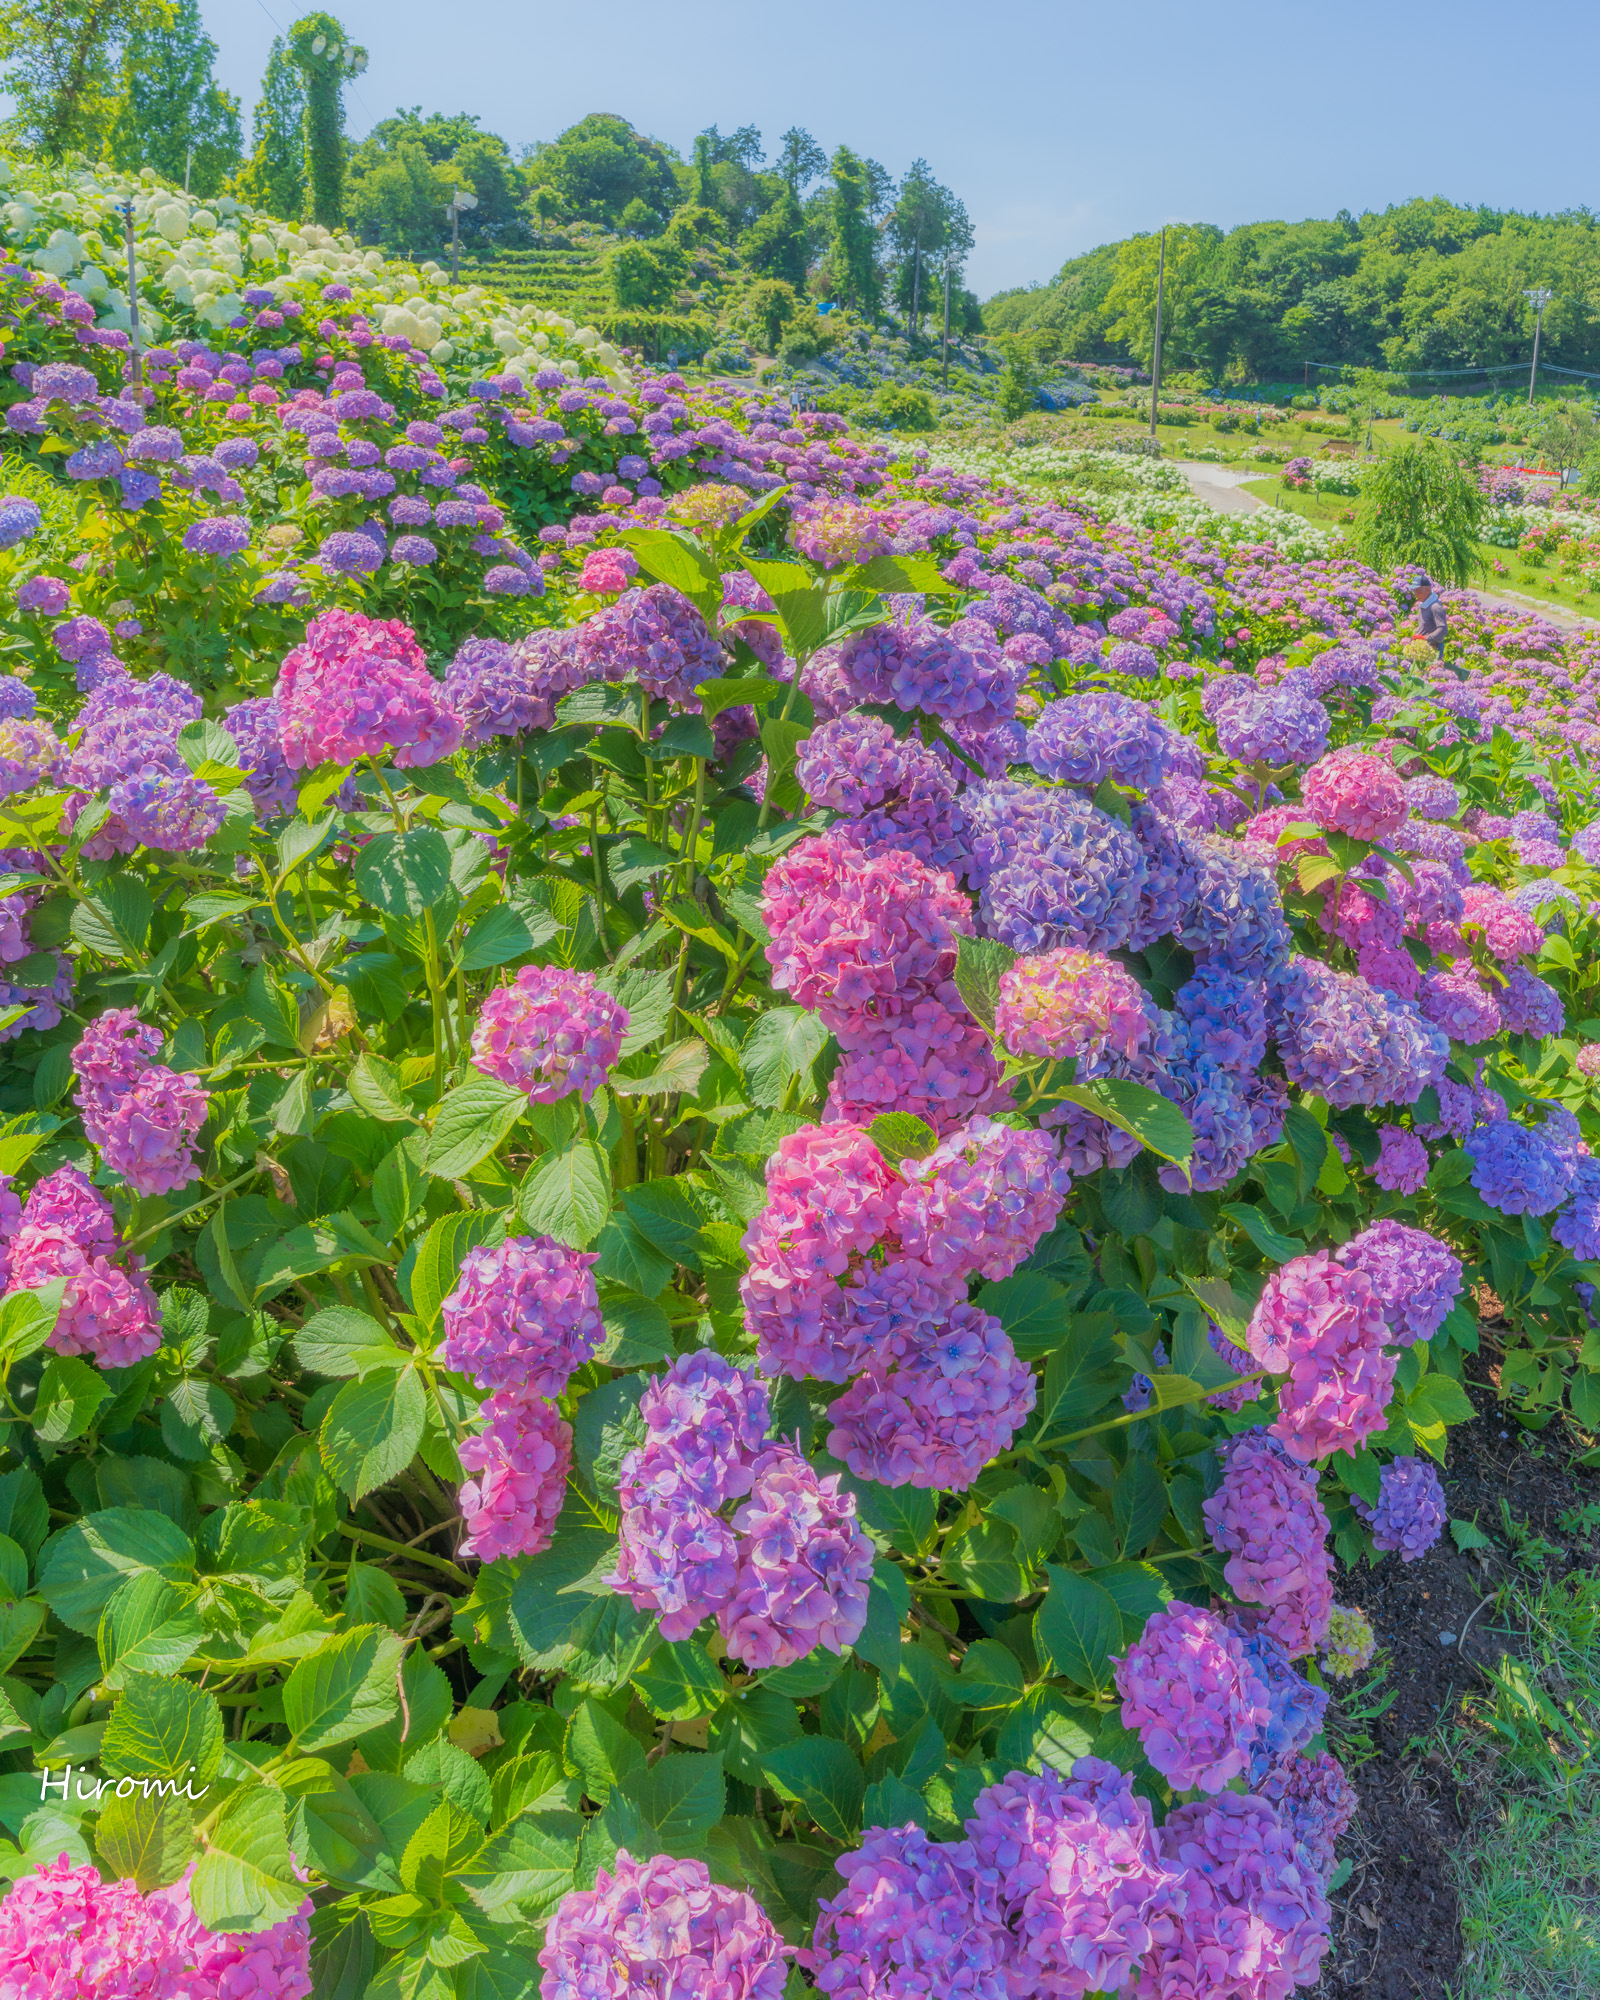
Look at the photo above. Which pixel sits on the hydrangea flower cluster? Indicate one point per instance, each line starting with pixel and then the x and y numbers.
pixel 1319 1323
pixel 359 687
pixel 1255 1920
pixel 1296 1707
pixel 1354 793
pixel 1350 1644
pixel 523 1317
pixel 1416 1279
pixel 1516 1168
pixel 143 1117
pixel 788 1572
pixel 645 1920
pixel 1195 1697
pixel 915 1916
pixel 66 1229
pixel 1087 738
pixel 1402 1162
pixel 549 1033
pixel 895 791
pixel 1410 1515
pixel 1267 1519
pixel 64 1932
pixel 1067 1004
pixel 1316 1801
pixel 654 636
pixel 1079 1880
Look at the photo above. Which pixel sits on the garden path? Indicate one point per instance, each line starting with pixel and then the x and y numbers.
pixel 1219 486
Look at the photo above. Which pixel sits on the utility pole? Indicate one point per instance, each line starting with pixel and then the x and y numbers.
pixel 459 199
pixel 1155 359
pixel 133 295
pixel 947 319
pixel 916 284
pixel 1538 296
pixel 188 162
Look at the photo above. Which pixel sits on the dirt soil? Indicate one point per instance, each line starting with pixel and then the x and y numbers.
pixel 1396 1931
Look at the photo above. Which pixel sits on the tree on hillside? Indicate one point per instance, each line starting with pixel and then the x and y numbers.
pixel 274 177
pixel 776 243
pixel 397 198
pixel 916 233
pixel 646 275
pixel 800 160
pixel 601 164
pixel 1189 323
pixel 172 114
pixel 1420 506
pixel 854 273
pixel 771 305
pixel 60 68
pixel 743 147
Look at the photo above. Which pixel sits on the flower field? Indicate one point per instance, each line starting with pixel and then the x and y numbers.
pixel 730 1160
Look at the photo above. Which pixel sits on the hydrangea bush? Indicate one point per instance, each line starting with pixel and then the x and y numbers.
pixel 702 1252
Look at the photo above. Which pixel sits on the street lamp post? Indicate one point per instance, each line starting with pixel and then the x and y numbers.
pixel 458 201
pixel 947 319
pixel 1155 358
pixel 1538 296
pixel 134 340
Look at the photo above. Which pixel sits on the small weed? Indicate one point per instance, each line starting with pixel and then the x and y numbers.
pixel 1531 1549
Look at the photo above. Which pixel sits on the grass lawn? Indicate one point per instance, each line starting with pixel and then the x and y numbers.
pixel 1327 510
pixel 1529 1874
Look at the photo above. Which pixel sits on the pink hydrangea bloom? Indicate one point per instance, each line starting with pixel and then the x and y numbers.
pixel 915 1918
pixel 113 1053
pixel 1266 1518
pixel 805 1564
pixel 663 1928
pixel 936 1417
pixel 1509 933
pixel 359 686
pixel 69 1200
pixel 1069 1004
pixel 1349 1645
pixel 523 1316
pixel 1255 1921
pixel 549 1032
pixel 982 1199
pixel 523 1457
pixel 1587 1061
pixel 1077 1868
pixel 1349 792
pixel 1322 1322
pixel 834 531
pixel 1316 1801
pixel 147 1135
pixel 1195 1697
pixel 858 936
pixel 831 1201
pixel 107 1311
pixel 66 1935
pixel 1402 1163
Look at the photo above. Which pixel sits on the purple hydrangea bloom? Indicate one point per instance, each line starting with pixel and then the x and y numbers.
pixel 1529 1006
pixel 805 1565
pixel 1236 918
pixel 224 536
pixel 915 1917
pixel 1226 1015
pixel 522 1458
pixel 661 1927
pixel 981 1200
pixel 1255 1918
pixel 1352 1042
pixel 1088 738
pixel 1195 1697
pixel 100 460
pixel 938 1413
pixel 1297 1706
pixel 1516 1169
pixel 956 671
pixel 655 637
pixel 522 1318
pixel 1577 1223
pixel 1410 1515
pixel 1051 869
pixel 1077 1869
pixel 1316 1801
pixel 1415 1278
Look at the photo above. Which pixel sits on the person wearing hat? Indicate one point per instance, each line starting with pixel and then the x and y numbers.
pixel 1435 625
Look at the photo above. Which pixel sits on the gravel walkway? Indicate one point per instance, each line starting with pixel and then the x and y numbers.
pixel 1219 486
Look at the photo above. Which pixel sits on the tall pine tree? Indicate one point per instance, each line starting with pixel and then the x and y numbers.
pixel 275 178
pixel 172 106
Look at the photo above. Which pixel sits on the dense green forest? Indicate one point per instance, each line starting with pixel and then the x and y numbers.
pixel 1420 286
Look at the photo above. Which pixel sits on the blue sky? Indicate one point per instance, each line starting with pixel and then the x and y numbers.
pixel 1060 126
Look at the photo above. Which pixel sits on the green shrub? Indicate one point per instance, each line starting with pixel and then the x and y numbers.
pixel 898 407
